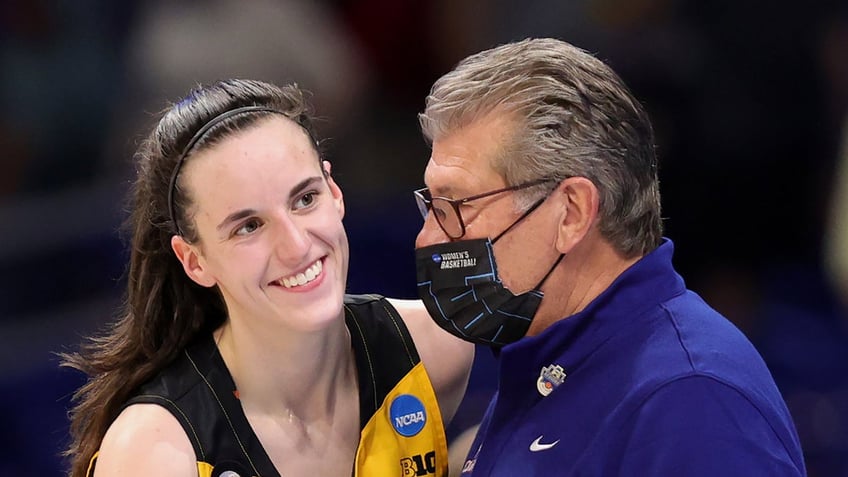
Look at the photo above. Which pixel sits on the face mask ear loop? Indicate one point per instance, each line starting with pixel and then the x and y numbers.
pixel 542 281
pixel 523 216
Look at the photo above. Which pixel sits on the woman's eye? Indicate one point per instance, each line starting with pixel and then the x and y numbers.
pixel 248 227
pixel 305 200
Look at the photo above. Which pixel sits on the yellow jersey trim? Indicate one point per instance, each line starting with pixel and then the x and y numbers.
pixel 384 450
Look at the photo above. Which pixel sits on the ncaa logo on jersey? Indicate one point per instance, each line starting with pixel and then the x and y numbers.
pixel 408 415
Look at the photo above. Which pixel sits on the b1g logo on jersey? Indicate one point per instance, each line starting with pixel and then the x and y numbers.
pixel 418 465
pixel 408 415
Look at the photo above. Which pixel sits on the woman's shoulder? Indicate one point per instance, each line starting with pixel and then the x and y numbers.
pixel 145 439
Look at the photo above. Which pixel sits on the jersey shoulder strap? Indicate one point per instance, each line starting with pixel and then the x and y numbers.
pixel 402 429
pixel 199 391
pixel 383 348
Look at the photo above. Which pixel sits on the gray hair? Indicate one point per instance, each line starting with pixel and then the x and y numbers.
pixel 573 116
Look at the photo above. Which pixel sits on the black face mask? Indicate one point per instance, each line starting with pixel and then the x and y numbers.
pixel 460 287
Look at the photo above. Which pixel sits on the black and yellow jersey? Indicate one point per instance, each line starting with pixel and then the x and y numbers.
pixel 401 427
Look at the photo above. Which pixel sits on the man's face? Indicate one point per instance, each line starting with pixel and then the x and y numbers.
pixel 270 227
pixel 459 167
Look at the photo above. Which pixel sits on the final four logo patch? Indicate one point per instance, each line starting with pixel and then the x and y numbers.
pixel 408 415
pixel 550 377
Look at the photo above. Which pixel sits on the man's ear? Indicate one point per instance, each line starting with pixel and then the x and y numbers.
pixel 579 200
pixel 192 261
pixel 335 190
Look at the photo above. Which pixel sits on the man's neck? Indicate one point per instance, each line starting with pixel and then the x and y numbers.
pixel 583 274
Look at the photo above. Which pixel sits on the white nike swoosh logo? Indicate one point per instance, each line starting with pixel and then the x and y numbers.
pixel 537 446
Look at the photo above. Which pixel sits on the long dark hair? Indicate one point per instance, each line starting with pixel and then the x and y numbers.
pixel 164 310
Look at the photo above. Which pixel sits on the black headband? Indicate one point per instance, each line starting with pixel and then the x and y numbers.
pixel 199 134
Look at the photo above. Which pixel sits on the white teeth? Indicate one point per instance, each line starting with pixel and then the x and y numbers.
pixel 304 277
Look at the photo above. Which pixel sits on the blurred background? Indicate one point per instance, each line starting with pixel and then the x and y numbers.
pixel 749 101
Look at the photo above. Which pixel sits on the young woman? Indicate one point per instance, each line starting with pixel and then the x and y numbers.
pixel 238 352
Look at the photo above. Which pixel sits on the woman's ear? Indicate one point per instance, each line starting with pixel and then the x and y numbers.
pixel 335 190
pixel 192 261
pixel 579 200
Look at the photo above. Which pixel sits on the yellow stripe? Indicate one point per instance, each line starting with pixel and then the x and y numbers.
pixel 204 469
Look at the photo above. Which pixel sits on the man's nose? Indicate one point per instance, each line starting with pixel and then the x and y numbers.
pixel 431 233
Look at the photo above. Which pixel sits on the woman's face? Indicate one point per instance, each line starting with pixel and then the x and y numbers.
pixel 269 225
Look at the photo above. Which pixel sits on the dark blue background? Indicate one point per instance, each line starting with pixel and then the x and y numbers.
pixel 748 98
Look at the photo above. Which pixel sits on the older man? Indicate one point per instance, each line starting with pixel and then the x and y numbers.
pixel 543 239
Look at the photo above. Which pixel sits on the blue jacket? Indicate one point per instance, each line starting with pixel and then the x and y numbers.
pixel 656 383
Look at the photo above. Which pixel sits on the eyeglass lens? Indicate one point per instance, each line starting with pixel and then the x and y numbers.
pixel 447 217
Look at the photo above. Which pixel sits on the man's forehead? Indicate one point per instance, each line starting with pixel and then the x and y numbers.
pixel 460 177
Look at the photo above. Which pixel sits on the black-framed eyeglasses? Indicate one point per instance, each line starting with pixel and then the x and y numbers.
pixel 446 211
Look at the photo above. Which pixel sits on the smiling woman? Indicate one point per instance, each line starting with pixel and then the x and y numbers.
pixel 238 349
pixel 266 213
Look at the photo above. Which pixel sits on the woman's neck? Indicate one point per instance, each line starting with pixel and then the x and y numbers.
pixel 282 372
pixel 299 392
